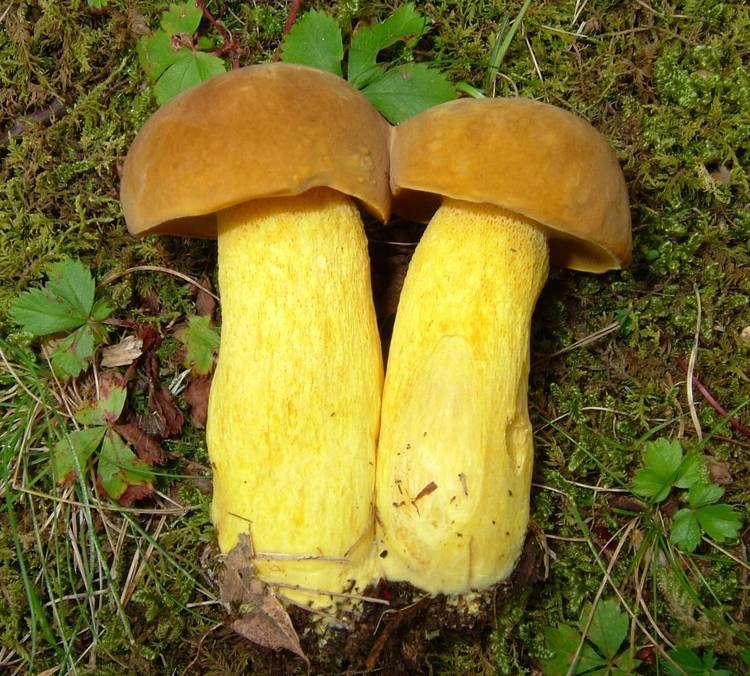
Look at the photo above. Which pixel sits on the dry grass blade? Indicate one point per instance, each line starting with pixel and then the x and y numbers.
pixel 691 367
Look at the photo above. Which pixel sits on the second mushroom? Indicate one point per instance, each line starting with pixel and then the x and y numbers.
pixel 508 184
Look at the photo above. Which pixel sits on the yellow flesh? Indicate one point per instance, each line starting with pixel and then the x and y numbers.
pixel 454 410
pixel 294 407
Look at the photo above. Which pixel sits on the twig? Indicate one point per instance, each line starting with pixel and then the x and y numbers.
pixel 711 401
pixel 733 422
pixel 156 268
pixel 292 16
pixel 230 46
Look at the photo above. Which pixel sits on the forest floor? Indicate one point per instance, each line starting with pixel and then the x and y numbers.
pixel 90 586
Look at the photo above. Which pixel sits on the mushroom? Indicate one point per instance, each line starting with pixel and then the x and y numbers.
pixel 267 159
pixel 511 183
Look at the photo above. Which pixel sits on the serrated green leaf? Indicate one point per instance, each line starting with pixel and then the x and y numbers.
pixel 649 484
pixel 206 43
pixel 72 354
pixel 662 460
pixel 663 457
pixel 104 411
pixel 367 42
pixel 563 642
pixel 609 628
pixel 686 531
pixel 407 90
pixel 119 467
pixel 39 312
pixel 189 70
pixel 72 282
pixel 100 310
pixel 704 493
pixel 63 304
pixel 182 18
pixel 315 41
pixel 97 4
pixel 720 522
pixel 691 664
pixel 202 342
pixel 156 54
pixel 690 471
pixel 81 442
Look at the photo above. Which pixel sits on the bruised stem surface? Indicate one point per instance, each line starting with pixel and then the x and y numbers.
pixel 294 405
pixel 455 452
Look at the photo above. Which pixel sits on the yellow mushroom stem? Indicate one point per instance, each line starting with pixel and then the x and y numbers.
pixel 455 452
pixel 294 407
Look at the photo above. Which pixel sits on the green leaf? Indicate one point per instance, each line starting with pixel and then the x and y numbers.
pixel 563 642
pixel 704 493
pixel 72 354
pixel 119 467
pixel 206 43
pixel 72 282
pixel 101 310
pixel 63 304
pixel 367 42
pixel 97 4
pixel 690 471
pixel 156 54
pixel 315 40
pixel 202 342
pixel 609 628
pixel 686 531
pixel 81 442
pixel 188 70
pixel 720 522
pixel 692 664
pixel 649 484
pixel 104 411
pixel 407 90
pixel 662 460
pixel 183 18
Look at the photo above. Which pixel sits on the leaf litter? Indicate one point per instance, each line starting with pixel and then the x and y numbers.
pixel 260 616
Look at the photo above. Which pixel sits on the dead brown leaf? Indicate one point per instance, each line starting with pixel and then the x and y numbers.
pixel 163 402
pixel 167 417
pixel 262 619
pixel 123 353
pixel 718 471
pixel 205 304
pixel 146 447
pixel 134 493
pixel 196 395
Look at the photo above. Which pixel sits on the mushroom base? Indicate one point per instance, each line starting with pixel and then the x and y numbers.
pixel 455 453
pixel 294 406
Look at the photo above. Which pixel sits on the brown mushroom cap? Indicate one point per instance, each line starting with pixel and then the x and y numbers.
pixel 261 131
pixel 524 156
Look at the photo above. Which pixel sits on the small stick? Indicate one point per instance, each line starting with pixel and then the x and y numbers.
pixel 711 400
pixel 229 44
pixel 292 16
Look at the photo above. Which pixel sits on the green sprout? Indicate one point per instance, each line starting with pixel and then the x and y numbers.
pixel 397 91
pixel 65 305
